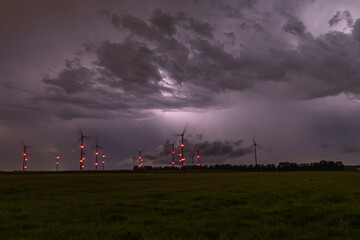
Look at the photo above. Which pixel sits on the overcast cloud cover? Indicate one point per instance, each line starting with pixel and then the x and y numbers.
pixel 135 73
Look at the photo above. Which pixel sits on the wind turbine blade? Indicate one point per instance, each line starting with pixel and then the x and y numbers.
pixel 185 128
pixel 80 131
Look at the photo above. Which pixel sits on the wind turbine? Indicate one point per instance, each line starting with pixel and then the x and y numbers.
pixel 198 157
pixel 96 153
pixel 181 155
pixel 57 162
pixel 25 157
pixel 140 158
pixel 103 161
pixel 173 154
pixel 255 145
pixel 82 150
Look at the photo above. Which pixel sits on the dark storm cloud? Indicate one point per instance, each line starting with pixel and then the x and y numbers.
pixel 164 22
pixel 330 61
pixel 341 16
pixel 220 150
pixel 356 30
pixel 295 26
pixel 135 25
pixel 197 26
pixel 170 53
pixel 226 149
pixel 156 62
pixel 211 66
pixel 234 9
pixel 73 80
pixel 132 67
pixel 132 64
pixel 126 79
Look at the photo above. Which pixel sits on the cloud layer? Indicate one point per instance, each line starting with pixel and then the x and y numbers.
pixel 176 61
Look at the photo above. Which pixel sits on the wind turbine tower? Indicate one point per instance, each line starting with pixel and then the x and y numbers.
pixel 57 163
pixel 140 159
pixel 181 155
pixel 255 144
pixel 82 158
pixel 25 157
pixel 82 150
pixel 173 154
pixel 198 157
pixel 96 154
pixel 103 161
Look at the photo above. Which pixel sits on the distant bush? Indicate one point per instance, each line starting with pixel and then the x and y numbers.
pixel 317 166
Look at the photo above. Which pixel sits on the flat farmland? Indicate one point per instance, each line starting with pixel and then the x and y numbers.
pixel 180 205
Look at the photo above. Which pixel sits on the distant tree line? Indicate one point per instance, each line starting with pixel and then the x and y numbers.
pixel 282 166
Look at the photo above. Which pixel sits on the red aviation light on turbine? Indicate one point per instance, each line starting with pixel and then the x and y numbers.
pixel 198 164
pixel 96 153
pixel 82 166
pixel 25 167
pixel 182 145
pixel 198 156
pixel 26 159
pixel 103 156
pixel 173 163
pixel 82 146
pixel 25 154
pixel 172 152
pixel 57 157
pixel 96 164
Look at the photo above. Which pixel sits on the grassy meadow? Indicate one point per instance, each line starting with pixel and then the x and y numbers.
pixel 180 205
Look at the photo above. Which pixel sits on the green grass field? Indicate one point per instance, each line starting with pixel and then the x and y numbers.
pixel 211 205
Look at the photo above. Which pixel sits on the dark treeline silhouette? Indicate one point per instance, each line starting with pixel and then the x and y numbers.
pixel 317 166
pixel 282 166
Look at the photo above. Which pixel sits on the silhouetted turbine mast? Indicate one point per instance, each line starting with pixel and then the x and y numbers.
pixel 25 158
pixel 255 144
pixel 82 151
pixel 182 157
pixel 82 158
pixel 57 163
pixel 198 157
pixel 103 161
pixel 96 155
pixel 173 154
pixel 140 159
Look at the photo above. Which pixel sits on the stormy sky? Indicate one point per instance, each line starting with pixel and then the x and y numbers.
pixel 135 73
